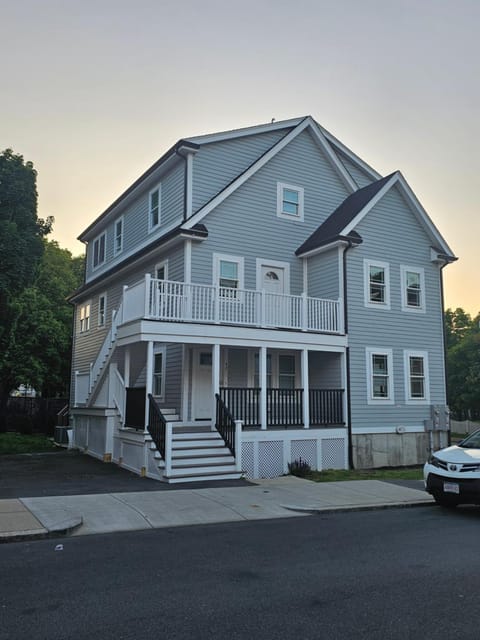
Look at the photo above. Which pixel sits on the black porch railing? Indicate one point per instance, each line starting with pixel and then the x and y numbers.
pixel 225 424
pixel 157 425
pixel 326 406
pixel 284 406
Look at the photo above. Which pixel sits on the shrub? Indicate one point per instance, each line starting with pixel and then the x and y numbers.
pixel 299 468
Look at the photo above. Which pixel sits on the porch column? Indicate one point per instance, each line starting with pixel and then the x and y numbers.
pixel 126 366
pixel 262 375
pixel 149 380
pixel 306 387
pixel 215 380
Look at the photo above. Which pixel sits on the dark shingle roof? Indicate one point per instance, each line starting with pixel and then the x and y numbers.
pixel 331 229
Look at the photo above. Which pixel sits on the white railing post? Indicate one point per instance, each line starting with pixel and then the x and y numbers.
pixel 148 295
pixel 168 448
pixel 238 445
pixel 306 389
pixel 304 311
pixel 216 312
pixel 263 307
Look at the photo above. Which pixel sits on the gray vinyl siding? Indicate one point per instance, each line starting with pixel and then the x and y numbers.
pixel 324 370
pixel 216 164
pixel 246 223
pixel 135 218
pixel 392 234
pixel 173 378
pixel 323 275
pixel 360 176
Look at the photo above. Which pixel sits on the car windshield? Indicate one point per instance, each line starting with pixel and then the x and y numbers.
pixel 471 442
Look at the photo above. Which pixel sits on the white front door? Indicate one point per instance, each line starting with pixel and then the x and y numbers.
pixel 273 281
pixel 202 384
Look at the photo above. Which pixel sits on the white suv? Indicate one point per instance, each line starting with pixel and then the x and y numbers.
pixel 452 475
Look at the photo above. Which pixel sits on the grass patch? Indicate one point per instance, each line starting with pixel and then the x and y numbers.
pixel 337 475
pixel 11 443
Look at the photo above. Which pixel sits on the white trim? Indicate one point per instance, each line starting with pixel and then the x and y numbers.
pixel 350 154
pixel 161 349
pixel 357 431
pixel 101 325
pixel 413 353
pixel 158 188
pixel 245 131
pixel 242 178
pixel 305 276
pixel 370 204
pixel 187 262
pixel 189 183
pixel 240 260
pixel 403 279
pixel 159 265
pixel 369 352
pixel 117 251
pixel 367 263
pixel 281 187
pixel 276 264
pixel 94 242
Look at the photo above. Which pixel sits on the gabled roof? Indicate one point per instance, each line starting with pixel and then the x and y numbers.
pixel 340 225
pixel 334 226
pixel 305 123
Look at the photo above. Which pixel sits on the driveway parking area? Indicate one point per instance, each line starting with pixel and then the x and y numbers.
pixel 68 473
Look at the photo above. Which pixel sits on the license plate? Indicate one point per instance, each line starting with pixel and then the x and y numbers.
pixel 451 487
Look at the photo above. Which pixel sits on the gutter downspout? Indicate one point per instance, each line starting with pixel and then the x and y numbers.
pixel 444 335
pixel 347 355
pixel 177 151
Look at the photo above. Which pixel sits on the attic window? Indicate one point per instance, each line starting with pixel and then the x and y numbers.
pixel 99 251
pixel 154 208
pixel 289 201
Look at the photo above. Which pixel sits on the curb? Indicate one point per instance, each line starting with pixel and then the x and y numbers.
pixel 62 528
pixel 363 507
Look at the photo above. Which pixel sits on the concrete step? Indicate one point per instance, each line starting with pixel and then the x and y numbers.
pixel 187 435
pixel 200 469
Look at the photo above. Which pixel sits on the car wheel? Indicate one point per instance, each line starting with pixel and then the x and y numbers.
pixel 445 501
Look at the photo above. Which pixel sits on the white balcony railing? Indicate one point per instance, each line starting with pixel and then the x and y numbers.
pixel 177 301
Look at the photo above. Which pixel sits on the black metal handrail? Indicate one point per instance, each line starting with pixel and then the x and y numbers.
pixel 326 406
pixel 63 417
pixel 225 423
pixel 157 425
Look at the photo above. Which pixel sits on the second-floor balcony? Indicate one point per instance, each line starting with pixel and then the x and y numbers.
pixel 168 300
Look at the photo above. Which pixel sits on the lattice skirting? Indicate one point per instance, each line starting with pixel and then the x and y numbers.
pixel 266 455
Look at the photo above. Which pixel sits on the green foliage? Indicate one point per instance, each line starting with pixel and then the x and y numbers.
pixel 463 363
pixel 299 468
pixel 13 443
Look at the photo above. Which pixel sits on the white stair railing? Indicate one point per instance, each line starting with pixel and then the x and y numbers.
pixel 106 349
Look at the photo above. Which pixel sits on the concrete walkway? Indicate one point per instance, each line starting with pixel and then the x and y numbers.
pixel 288 496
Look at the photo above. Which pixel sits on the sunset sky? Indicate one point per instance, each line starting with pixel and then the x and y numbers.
pixel 93 92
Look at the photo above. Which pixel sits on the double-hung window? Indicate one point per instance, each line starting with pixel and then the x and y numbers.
pixel 416 377
pixel 228 275
pixel 413 289
pixel 84 317
pixel 102 309
pixel 118 236
pixel 99 250
pixel 159 373
pixel 154 201
pixel 377 284
pixel 286 372
pixel 289 201
pixel 379 376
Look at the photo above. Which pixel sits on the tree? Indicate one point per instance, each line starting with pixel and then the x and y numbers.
pixel 21 247
pixel 39 354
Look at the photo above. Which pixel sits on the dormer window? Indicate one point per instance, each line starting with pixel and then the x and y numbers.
pixel 154 209
pixel 289 201
pixel 99 251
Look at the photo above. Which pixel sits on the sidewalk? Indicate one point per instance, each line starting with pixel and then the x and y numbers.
pixel 288 496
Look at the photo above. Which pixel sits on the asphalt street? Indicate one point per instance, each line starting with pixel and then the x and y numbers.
pixel 401 573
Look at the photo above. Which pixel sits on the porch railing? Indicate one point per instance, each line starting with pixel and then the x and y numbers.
pixel 157 425
pixel 284 406
pixel 182 302
pixel 225 423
